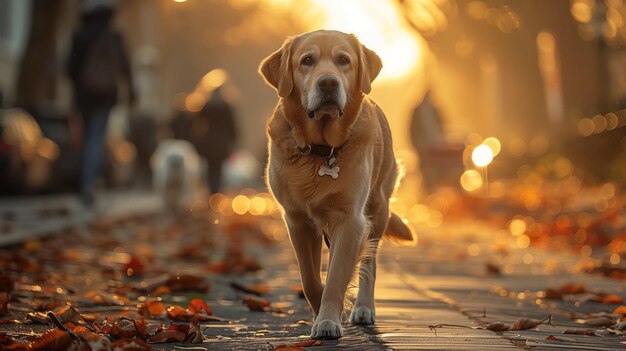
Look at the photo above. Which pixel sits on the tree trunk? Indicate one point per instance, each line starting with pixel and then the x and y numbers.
pixel 36 80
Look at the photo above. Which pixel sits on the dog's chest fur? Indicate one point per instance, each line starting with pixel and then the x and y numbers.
pixel 297 185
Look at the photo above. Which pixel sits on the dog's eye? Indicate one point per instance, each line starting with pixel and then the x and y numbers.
pixel 307 61
pixel 343 60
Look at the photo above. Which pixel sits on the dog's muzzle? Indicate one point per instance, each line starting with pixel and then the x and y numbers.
pixel 328 97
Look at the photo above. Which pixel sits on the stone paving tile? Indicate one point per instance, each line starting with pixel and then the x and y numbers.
pixel 465 287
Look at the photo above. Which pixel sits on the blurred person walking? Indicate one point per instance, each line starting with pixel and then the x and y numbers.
pixel 214 134
pixel 441 161
pixel 97 63
pixel 427 136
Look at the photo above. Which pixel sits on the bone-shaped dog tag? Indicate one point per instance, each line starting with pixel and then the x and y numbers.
pixel 325 170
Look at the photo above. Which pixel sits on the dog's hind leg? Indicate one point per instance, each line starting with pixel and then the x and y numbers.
pixel 307 244
pixel 346 236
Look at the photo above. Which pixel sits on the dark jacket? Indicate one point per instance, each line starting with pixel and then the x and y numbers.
pixel 214 129
pixel 96 27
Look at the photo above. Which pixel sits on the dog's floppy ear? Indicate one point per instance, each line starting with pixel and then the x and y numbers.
pixel 276 69
pixel 369 67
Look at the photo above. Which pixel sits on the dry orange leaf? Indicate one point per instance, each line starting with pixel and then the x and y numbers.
pixel 573 288
pixel 156 309
pixel 256 304
pixel 133 267
pixel 612 299
pixel 199 306
pixel 553 294
pixel 529 323
pixel 178 313
pixel 52 340
pixel 161 290
pixel 620 310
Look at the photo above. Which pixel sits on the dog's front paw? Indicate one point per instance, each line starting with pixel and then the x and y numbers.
pixel 326 329
pixel 362 315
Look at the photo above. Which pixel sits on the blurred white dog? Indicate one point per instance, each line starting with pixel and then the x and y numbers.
pixel 176 172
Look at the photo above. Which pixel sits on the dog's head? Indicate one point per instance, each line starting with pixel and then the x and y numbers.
pixel 323 69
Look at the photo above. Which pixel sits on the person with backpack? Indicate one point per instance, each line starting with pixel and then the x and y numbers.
pixel 97 64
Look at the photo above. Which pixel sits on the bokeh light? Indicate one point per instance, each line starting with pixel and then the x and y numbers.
pixel 241 203
pixel 494 144
pixel 482 155
pixel 471 180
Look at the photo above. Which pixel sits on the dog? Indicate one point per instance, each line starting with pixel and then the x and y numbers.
pixel 177 170
pixel 331 168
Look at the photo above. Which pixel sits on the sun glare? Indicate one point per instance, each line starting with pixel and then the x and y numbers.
pixel 378 26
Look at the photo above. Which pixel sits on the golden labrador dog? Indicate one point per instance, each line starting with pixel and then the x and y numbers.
pixel 331 168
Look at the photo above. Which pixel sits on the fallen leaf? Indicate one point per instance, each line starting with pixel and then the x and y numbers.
pixel 168 336
pixel 552 337
pixel 199 306
pixel 94 341
pixel 497 326
pixel 256 304
pixel 38 317
pixel 52 340
pixel 492 269
pixel 590 332
pixel 155 309
pixel 553 294
pixel 195 334
pixel 529 323
pixel 178 313
pixel 620 310
pixel 134 267
pixel 187 282
pixel 615 299
pixel 161 290
pixel 573 288
pixel 67 314
pixel 597 322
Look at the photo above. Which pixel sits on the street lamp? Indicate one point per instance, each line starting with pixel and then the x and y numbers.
pixel 482 156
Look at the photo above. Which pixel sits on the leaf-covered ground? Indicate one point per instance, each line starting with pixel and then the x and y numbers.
pixel 215 279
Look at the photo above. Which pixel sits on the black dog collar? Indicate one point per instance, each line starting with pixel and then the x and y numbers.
pixel 319 150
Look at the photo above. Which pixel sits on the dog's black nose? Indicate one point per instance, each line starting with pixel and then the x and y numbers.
pixel 327 84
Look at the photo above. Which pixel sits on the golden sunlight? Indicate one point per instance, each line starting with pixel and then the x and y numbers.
pixel 379 26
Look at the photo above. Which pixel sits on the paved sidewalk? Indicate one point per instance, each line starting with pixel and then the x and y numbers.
pixel 429 297
pixel 34 216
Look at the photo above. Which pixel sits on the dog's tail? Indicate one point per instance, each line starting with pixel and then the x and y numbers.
pixel 397 230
